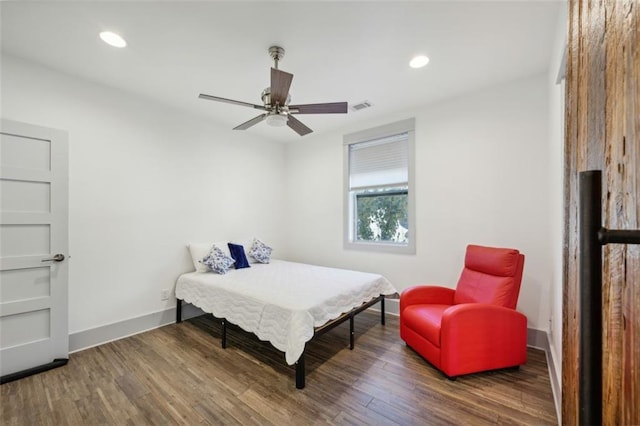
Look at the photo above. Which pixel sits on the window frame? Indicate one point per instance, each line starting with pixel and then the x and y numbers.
pixel 349 242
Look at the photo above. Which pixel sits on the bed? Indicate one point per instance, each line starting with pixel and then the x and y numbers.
pixel 285 303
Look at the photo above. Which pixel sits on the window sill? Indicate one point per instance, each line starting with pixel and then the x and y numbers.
pixel 378 247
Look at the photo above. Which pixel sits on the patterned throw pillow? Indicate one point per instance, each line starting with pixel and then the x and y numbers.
pixel 260 251
pixel 217 260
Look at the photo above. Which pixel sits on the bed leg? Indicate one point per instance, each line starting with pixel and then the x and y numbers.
pixel 179 311
pixel 382 320
pixel 224 333
pixel 300 372
pixel 351 333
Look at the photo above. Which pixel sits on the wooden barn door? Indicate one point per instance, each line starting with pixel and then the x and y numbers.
pixel 603 133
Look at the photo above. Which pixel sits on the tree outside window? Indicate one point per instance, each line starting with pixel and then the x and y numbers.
pixel 381 215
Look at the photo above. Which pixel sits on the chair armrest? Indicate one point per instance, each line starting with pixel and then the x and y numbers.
pixel 460 322
pixel 426 294
pixel 479 337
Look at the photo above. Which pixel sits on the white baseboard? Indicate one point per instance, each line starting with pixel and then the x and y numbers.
pixel 540 340
pixel 556 385
pixel 537 339
pixel 392 306
pixel 118 330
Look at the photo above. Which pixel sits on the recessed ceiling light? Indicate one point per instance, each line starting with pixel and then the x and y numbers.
pixel 419 61
pixel 113 39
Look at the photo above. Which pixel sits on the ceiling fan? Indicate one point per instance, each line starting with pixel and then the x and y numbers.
pixel 276 100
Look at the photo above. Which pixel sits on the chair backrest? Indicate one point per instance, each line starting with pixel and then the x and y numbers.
pixel 490 275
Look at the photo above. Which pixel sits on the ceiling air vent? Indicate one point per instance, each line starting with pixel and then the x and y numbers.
pixel 361 105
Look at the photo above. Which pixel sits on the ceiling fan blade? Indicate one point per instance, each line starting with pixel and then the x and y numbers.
pixel 297 126
pixel 230 101
pixel 328 108
pixel 280 83
pixel 252 122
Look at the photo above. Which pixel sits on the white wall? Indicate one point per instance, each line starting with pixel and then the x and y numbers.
pixel 481 177
pixel 144 181
pixel 556 201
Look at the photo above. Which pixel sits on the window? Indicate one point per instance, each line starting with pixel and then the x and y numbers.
pixel 378 189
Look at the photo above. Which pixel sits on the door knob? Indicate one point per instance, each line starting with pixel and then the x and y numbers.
pixel 56 258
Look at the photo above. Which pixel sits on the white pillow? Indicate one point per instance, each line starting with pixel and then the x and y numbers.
pixel 200 250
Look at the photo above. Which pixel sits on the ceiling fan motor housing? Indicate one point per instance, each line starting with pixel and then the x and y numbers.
pixel 266 98
pixel 276 53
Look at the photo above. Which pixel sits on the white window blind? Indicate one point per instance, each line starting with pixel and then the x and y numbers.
pixel 380 162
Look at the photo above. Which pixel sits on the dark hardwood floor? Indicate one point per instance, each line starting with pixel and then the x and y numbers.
pixel 179 374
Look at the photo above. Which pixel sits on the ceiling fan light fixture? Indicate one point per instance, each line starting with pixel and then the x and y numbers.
pixel 419 61
pixel 113 39
pixel 277 120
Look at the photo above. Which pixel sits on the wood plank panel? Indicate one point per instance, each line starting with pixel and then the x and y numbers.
pixel 179 374
pixel 630 383
pixel 570 319
pixel 613 186
pixel 603 132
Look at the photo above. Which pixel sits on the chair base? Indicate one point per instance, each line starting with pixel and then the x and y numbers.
pixel 454 377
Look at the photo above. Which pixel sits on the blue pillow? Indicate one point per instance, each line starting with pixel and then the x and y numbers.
pixel 237 252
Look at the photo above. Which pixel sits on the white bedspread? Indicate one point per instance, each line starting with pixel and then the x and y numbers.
pixel 281 302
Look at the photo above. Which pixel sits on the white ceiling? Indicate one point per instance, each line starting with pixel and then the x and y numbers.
pixel 337 51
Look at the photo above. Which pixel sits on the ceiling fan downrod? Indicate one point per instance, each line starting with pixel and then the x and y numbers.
pixel 276 53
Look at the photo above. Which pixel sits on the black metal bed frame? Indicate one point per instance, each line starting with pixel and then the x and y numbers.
pixel 318 331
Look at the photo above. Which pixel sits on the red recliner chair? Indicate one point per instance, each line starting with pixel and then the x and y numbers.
pixel 476 326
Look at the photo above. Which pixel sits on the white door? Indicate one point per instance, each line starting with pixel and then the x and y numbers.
pixel 33 230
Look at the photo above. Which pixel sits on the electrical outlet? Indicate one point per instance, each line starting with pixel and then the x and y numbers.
pixel 164 294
